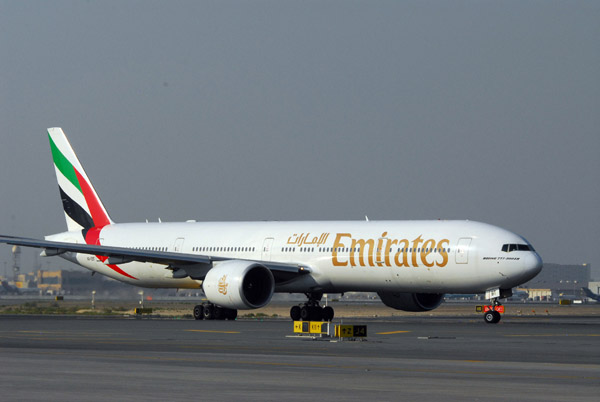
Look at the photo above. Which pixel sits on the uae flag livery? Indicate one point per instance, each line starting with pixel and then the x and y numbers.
pixel 83 208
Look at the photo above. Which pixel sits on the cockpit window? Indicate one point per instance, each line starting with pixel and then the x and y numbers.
pixel 516 247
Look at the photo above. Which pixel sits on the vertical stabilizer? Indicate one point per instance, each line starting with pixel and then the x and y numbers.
pixel 83 208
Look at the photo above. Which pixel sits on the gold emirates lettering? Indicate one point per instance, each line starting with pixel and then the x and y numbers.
pixel 363 252
pixel 223 285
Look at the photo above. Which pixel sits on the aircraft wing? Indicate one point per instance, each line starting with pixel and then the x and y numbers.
pixel 193 265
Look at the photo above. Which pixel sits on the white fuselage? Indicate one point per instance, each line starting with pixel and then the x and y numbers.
pixel 400 256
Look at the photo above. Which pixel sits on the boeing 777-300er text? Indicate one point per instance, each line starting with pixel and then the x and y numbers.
pixel 239 265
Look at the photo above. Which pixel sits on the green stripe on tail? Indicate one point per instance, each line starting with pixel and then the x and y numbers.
pixel 63 164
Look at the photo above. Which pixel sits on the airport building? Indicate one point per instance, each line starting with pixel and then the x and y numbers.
pixel 65 282
pixel 559 281
pixel 26 281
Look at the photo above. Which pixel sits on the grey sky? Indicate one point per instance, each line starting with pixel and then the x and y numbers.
pixel 282 110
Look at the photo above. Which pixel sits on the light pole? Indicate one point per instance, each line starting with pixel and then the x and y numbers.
pixel 141 293
pixel 93 300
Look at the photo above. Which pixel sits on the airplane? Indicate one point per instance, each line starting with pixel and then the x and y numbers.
pixel 591 294
pixel 520 295
pixel 240 265
pixel 7 288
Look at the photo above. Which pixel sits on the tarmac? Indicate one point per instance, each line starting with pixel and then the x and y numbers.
pixel 443 357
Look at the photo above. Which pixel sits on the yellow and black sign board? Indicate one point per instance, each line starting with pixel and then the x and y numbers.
pixel 350 331
pixel 140 310
pixel 301 327
pixel 318 327
pixel 59 298
pixel 310 327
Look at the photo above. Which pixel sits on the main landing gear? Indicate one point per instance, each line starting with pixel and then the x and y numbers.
pixel 209 311
pixel 311 310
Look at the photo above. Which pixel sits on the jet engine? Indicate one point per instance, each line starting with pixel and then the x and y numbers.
pixel 239 285
pixel 411 301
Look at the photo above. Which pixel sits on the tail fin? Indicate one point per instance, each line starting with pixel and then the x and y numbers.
pixel 83 208
pixel 591 294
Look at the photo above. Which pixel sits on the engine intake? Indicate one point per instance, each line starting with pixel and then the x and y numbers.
pixel 411 301
pixel 239 285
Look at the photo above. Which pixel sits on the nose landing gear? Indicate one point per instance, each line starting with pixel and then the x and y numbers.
pixel 492 313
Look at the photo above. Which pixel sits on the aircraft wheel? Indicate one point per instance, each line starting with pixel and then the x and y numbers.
pixel 305 313
pixel 492 317
pixel 224 313
pixel 209 312
pixel 219 313
pixel 295 313
pixel 316 313
pixel 497 317
pixel 199 312
pixel 231 314
pixel 327 313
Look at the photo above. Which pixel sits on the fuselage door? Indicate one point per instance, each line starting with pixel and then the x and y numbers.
pixel 178 245
pixel 462 250
pixel 266 249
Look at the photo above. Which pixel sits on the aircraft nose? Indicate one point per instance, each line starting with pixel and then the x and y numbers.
pixel 533 265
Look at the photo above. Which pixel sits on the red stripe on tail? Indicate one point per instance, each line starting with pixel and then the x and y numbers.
pixel 98 215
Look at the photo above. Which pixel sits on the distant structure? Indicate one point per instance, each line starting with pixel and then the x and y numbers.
pixel 65 282
pixel 594 287
pixel 16 252
pixel 558 281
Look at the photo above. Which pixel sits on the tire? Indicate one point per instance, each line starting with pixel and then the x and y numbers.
pixel 327 313
pixel 295 313
pixel 316 313
pixel 231 314
pixel 489 317
pixel 497 317
pixel 209 312
pixel 198 312
pixel 305 313
pixel 219 313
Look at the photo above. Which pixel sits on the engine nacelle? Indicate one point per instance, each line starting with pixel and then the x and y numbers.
pixel 411 301
pixel 239 285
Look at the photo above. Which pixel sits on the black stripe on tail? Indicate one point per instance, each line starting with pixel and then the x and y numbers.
pixel 75 212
